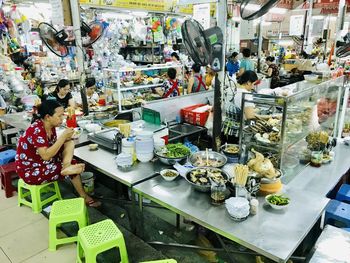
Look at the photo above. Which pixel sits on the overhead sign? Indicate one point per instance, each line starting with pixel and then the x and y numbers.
pixel 192 2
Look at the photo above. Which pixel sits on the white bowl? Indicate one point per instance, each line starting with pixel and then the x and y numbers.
pixel 155 80
pixel 277 207
pixel 83 123
pixel 169 178
pixel 92 127
pixel 144 157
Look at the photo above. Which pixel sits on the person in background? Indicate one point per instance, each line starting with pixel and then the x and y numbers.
pixel 91 94
pixel 196 83
pixel 246 63
pixel 233 64
pixel 209 77
pixel 175 57
pixel 62 94
pixel 44 157
pixel 273 72
pixel 170 86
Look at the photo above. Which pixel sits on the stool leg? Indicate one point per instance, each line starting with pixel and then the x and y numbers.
pixel 52 236
pixel 20 193
pixel 8 185
pixel 36 200
pixel 80 252
pixel 123 252
pixel 90 257
pixel 57 190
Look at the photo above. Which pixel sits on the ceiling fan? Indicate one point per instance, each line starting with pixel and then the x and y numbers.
pixel 343 47
pixel 57 41
pixel 261 7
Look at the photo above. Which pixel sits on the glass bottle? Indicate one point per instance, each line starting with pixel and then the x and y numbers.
pixel 218 193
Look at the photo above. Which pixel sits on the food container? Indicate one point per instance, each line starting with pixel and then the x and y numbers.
pixel 215 159
pixel 164 173
pixel 204 187
pixel 169 161
pixel 238 208
pixel 274 206
pixel 229 150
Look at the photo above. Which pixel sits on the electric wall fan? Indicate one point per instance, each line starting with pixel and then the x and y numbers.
pixel 343 47
pixel 203 46
pixel 57 41
pixel 252 9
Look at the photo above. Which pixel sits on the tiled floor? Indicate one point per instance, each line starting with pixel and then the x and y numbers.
pixel 24 236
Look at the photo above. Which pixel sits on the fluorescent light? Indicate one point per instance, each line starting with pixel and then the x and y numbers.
pixel 274 10
pixel 140 13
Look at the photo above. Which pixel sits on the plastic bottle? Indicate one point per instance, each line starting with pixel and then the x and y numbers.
pixel 254 206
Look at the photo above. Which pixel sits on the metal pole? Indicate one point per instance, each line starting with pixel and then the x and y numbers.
pixel 308 46
pixel 79 51
pixel 221 19
pixel 260 42
pixel 340 20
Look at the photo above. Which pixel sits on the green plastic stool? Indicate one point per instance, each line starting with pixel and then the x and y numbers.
pixel 100 237
pixel 35 192
pixel 161 261
pixel 64 211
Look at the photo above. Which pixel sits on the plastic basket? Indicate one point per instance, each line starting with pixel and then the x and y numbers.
pixel 195 118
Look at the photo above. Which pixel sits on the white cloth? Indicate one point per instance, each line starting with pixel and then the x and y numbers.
pixel 93 99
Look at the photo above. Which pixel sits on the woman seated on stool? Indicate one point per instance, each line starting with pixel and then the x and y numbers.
pixel 42 157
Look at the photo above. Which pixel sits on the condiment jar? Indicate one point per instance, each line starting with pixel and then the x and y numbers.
pixel 254 206
pixel 128 146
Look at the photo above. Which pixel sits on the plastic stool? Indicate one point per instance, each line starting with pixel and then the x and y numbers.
pixel 64 211
pixel 344 193
pixel 161 261
pixel 98 238
pixel 7 173
pixel 347 229
pixel 35 192
pixel 7 156
pixel 338 212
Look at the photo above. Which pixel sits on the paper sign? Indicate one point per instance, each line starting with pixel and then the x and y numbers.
pixel 201 13
pixel 296 25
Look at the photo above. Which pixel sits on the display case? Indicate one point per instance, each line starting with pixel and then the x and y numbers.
pixel 344 120
pixel 283 122
pixel 132 86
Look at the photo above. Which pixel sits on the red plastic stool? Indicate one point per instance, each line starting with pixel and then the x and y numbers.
pixel 7 173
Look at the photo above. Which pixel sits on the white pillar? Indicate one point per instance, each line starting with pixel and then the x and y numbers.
pixel 308 46
pixel 76 27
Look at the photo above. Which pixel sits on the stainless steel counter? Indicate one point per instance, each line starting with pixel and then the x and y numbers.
pixel 274 234
pixel 103 161
pixel 322 180
pixel 333 245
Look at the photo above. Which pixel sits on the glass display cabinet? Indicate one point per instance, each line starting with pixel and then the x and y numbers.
pixel 283 122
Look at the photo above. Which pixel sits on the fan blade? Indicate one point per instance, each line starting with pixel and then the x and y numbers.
pixel 252 9
pixel 92 33
pixel 48 35
pixel 195 42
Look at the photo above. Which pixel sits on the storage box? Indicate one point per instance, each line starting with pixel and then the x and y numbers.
pixel 7 156
pixel 196 118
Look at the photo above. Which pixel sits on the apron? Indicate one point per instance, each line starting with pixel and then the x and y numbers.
pixel 200 83
pixel 171 90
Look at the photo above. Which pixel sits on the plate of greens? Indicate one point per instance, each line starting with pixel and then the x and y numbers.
pixel 277 201
pixel 172 153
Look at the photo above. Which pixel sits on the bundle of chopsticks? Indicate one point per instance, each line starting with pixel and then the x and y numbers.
pixel 241 174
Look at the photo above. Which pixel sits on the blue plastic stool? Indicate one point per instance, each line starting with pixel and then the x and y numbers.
pixel 344 193
pixel 346 229
pixel 7 156
pixel 337 211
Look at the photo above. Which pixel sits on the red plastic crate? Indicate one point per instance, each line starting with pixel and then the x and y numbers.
pixel 194 118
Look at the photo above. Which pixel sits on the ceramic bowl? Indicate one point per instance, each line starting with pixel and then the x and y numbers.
pixel 277 207
pixel 169 178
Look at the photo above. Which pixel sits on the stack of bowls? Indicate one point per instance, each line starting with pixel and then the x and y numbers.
pixel 144 146
pixel 238 208
pixel 124 161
